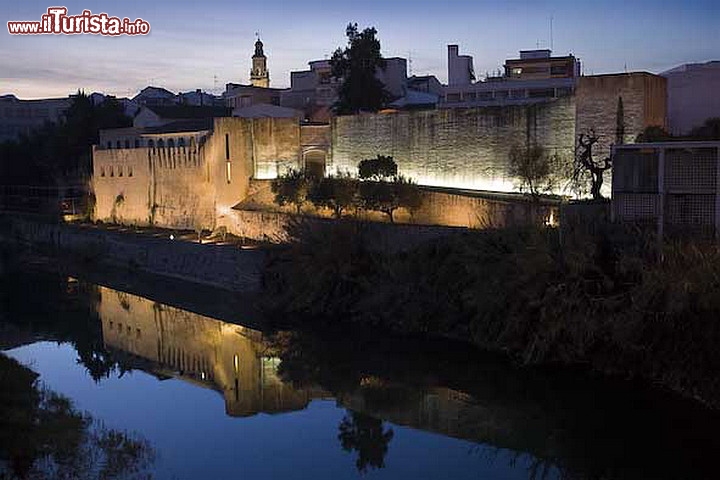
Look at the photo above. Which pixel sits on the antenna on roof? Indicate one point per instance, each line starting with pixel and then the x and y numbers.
pixel 551 32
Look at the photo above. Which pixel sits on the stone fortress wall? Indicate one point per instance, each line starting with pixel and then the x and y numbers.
pixel 456 148
pixel 205 185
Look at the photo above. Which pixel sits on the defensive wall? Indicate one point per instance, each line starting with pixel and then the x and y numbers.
pixel 201 180
pixel 220 266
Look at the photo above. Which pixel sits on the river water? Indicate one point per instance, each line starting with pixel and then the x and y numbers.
pixel 209 399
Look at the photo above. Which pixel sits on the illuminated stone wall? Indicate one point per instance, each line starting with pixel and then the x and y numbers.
pixel 225 357
pixel 181 187
pixel 458 148
pixel 644 104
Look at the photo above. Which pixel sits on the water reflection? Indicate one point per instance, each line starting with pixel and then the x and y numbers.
pixel 560 424
pixel 171 342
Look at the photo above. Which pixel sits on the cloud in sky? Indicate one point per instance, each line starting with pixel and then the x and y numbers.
pixel 207 44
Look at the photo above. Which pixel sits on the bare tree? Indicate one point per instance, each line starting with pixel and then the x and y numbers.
pixel 586 168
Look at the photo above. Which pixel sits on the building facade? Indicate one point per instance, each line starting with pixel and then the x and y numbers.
pixel 692 91
pixel 22 117
pixel 535 77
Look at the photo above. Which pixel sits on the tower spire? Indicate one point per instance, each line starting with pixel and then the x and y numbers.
pixel 259 75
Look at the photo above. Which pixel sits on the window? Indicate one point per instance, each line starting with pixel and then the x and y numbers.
pixel 452 98
pixel 109 145
pixel 102 171
pixel 228 172
pixel 127 143
pixel 559 70
pixel 227 148
pixel 151 144
pixel 137 142
pixel 516 71
pixel 469 96
pixel 120 171
pixel 118 144
pixel 130 171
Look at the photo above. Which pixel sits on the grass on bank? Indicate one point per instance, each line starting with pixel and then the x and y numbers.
pixel 607 299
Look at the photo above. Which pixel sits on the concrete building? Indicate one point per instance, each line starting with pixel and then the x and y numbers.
pixel 315 90
pixel 671 187
pixel 156 115
pixel 239 96
pixel 21 117
pixel 535 77
pixel 460 68
pixel 692 95
pixel 155 96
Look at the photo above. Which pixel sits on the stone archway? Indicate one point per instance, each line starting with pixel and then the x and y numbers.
pixel 315 162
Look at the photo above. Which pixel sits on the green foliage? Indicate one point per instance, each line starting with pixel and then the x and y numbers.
pixel 292 189
pixel 338 193
pixel 356 66
pixel 388 196
pixel 653 134
pixel 533 168
pixel 379 168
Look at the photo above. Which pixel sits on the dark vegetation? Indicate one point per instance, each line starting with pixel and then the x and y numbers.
pixel 42 436
pixel 708 131
pixel 355 67
pixel 606 299
pixel 68 313
pixel 57 156
pixel 584 426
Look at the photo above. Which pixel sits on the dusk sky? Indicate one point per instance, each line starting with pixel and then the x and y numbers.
pixel 205 44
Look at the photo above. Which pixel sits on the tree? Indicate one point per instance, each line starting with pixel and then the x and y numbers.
pixel 586 167
pixel 368 437
pixel 533 168
pixel 654 133
pixel 380 168
pixel 336 192
pixel 291 189
pixel 356 66
pixel 709 130
pixel 620 123
pixel 388 196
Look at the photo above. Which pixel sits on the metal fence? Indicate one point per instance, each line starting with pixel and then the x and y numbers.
pixel 673 186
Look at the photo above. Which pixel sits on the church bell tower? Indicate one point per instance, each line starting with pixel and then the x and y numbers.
pixel 259 75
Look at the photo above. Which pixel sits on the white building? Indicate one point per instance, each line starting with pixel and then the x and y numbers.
pixel 693 95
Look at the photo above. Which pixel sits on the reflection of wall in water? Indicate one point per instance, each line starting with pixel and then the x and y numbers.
pixel 226 357
pixel 455 414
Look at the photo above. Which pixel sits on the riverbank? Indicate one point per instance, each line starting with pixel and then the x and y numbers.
pixel 604 300
pixel 169 254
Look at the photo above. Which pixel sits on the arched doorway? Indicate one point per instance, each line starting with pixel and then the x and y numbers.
pixel 315 163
